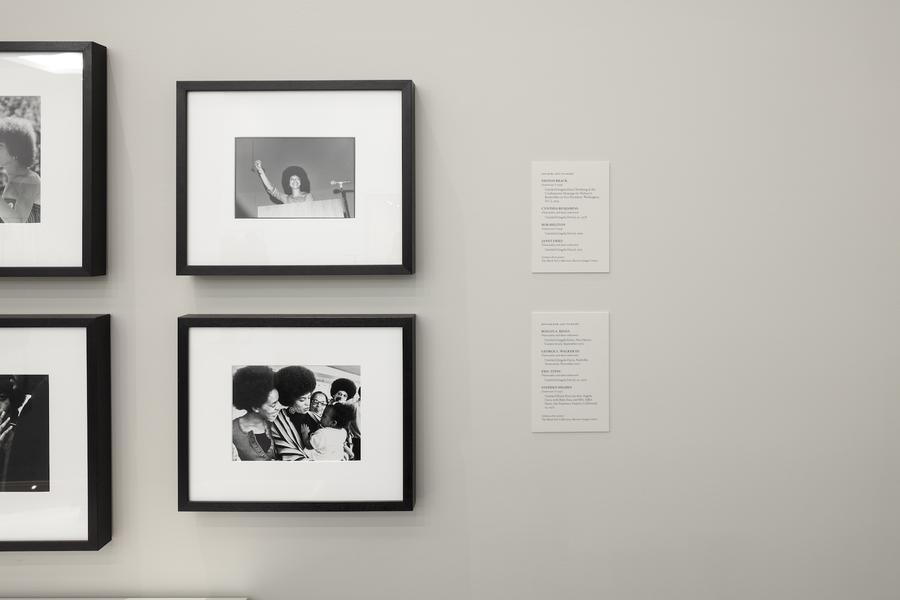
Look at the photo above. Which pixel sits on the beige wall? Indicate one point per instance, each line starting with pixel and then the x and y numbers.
pixel 754 292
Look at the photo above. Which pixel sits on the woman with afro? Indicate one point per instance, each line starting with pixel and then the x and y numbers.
pixel 253 390
pixel 295 385
pixel 294 182
pixel 21 198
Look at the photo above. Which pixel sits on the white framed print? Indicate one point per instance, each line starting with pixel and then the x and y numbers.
pixel 52 159
pixel 295 177
pixel 271 415
pixel 55 491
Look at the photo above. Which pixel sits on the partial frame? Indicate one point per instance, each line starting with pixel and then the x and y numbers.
pixel 99 430
pixel 94 151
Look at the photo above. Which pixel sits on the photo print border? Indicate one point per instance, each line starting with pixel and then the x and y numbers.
pixel 405 428
pixel 406 264
pixel 98 433
pixel 94 152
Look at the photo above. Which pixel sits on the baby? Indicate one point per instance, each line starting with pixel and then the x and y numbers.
pixel 328 441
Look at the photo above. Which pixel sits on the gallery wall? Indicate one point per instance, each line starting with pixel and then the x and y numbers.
pixel 753 295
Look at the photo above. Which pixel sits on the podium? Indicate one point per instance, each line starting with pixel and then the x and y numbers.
pixel 330 208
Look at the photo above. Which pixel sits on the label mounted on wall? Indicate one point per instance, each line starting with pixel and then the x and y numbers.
pixel 570 217
pixel 570 371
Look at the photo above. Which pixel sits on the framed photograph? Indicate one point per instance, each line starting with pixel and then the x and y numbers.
pixel 54 432
pixel 295 177
pixel 52 159
pixel 271 415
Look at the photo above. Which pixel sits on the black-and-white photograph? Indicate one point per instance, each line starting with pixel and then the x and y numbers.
pixel 20 159
pixel 24 433
pixel 294 383
pixel 55 466
pixel 294 177
pixel 296 413
pixel 322 176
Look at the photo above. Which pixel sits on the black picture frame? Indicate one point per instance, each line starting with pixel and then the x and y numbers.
pixel 94 152
pixel 406 322
pixel 407 90
pixel 99 463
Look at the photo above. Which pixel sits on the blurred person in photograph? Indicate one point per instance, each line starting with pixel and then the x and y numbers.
pixel 21 198
pixel 24 433
pixel 344 391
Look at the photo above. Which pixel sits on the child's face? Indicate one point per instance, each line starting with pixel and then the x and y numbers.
pixel 328 417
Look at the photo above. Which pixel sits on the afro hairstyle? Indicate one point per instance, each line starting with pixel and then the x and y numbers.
pixel 293 382
pixel 286 179
pixel 345 385
pixel 20 139
pixel 251 386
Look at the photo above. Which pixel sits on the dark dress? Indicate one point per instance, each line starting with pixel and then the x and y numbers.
pixel 305 419
pixel 247 444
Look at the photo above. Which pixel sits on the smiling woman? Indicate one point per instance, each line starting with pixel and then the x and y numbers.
pixel 313 162
pixel 251 434
pixel 316 178
pixel 273 417
pixel 270 369
pixel 294 181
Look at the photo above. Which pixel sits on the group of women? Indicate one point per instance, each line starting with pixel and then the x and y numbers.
pixel 287 419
